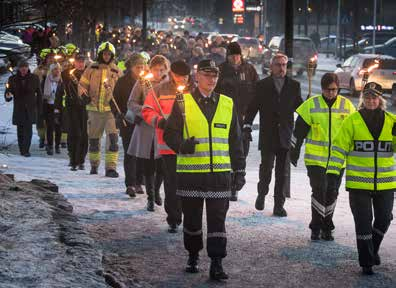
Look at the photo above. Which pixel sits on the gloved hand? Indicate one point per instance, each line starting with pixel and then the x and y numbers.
pixel 161 123
pixel 294 155
pixel 120 120
pixel 85 99
pixel 247 134
pixel 188 146
pixel 332 182
pixel 138 120
pixel 238 180
pixel 57 118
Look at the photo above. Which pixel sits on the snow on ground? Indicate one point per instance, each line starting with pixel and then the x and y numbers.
pixel 327 64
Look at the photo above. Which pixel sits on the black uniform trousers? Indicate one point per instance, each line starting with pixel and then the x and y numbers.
pixel 172 201
pixel 369 235
pixel 282 176
pixel 24 134
pixel 77 134
pixel 216 212
pixel 133 171
pixel 52 126
pixel 323 201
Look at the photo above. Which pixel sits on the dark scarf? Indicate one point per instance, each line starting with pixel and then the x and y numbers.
pixel 374 120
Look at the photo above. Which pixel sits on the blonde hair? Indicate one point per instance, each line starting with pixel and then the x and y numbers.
pixel 382 103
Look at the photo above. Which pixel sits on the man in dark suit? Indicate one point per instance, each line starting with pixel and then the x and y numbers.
pixel 277 97
pixel 24 89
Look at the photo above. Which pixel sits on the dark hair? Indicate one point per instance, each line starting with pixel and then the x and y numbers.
pixel 329 78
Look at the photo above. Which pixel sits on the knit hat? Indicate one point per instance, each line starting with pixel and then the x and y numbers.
pixel 234 49
pixel 180 68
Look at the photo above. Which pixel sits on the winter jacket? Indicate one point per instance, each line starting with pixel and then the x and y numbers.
pixel 239 84
pixel 276 112
pixel 92 80
pixel 213 184
pixel 143 137
pixel 26 92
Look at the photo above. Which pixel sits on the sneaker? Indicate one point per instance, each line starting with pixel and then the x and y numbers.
pixel 192 263
pixel 280 212
pixel 260 202
pixel 94 170
pixel 131 191
pixel 327 235
pixel 111 173
pixel 315 235
pixel 81 167
pixel 139 189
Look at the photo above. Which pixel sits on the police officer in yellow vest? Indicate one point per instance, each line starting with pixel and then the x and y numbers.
pixel 98 82
pixel 203 130
pixel 319 119
pixel 366 141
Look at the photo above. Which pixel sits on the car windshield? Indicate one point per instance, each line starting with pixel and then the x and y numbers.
pixel 247 41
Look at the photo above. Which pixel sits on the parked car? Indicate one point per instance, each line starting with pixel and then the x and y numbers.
pixel 303 51
pixel 363 45
pixel 388 48
pixel 350 73
pixel 328 44
pixel 251 48
pixel 4 63
pixel 5 36
pixel 14 51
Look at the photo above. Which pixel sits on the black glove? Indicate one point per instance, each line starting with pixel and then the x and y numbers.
pixel 57 119
pixel 120 120
pixel 247 134
pixel 138 120
pixel 85 99
pixel 294 155
pixel 188 146
pixel 332 182
pixel 238 180
pixel 162 123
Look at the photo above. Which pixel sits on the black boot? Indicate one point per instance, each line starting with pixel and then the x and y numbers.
pixel 368 270
pixel 73 168
pixel 111 173
pixel 315 235
pixel 131 191
pixel 150 193
pixel 172 228
pixel 216 270
pixel 377 259
pixel 157 187
pixel 50 150
pixel 94 170
pixel 260 200
pixel 57 149
pixel 158 199
pixel 279 211
pixel 42 143
pixel 327 235
pixel 81 167
pixel 63 145
pixel 192 263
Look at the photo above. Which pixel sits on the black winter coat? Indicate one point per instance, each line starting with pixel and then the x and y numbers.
pixel 239 85
pixel 122 90
pixel 27 98
pixel 276 112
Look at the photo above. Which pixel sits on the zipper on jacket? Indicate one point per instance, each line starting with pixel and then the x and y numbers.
pixel 329 146
pixel 210 146
pixel 375 163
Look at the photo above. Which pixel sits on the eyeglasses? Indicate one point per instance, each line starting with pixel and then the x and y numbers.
pixel 331 89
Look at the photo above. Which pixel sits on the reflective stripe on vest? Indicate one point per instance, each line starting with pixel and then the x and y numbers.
pixel 316 113
pixel 212 152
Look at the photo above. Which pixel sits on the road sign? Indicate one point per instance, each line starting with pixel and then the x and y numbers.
pixel 238 6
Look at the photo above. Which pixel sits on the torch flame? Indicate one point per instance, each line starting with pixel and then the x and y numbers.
pixel 7 85
pixel 195 66
pixel 11 69
pixel 181 88
pixel 89 54
pixel 57 57
pixel 373 67
pixel 105 81
pixel 141 74
pixel 72 71
pixel 149 76
pixel 71 60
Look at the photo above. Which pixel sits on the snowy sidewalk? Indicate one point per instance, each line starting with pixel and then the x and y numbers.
pixel 264 251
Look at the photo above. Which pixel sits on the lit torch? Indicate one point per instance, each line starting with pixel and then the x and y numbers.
pixel 180 102
pixel 57 57
pixel 310 72
pixel 11 70
pixel 71 60
pixel 8 94
pixel 366 72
